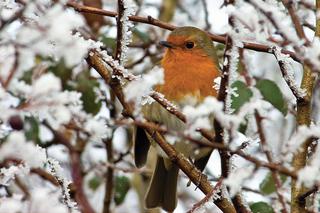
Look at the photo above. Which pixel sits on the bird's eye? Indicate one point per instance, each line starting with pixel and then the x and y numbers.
pixel 189 44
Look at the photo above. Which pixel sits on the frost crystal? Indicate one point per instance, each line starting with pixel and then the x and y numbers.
pixel 8 174
pixel 57 171
pixel 233 66
pixel 126 33
pixel 288 73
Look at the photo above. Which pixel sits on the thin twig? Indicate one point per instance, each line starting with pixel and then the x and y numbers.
pixel 109 178
pixel 295 20
pixel 207 198
pixel 225 156
pixel 275 174
pixel 76 172
pixel 206 14
pixel 302 197
pixel 13 69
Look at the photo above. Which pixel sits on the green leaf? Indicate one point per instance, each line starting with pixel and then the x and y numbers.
pixel 31 126
pixel 261 207
pixel 27 76
pixel 110 43
pixel 122 186
pixel 271 93
pixel 267 186
pixel 244 95
pixel 86 85
pixel 243 127
pixel 143 36
pixel 62 71
pixel 95 182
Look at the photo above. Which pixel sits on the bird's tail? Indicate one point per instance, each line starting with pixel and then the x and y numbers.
pixel 162 190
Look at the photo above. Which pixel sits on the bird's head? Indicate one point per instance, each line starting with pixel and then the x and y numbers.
pixel 185 42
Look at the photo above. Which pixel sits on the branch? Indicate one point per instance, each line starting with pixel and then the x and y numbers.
pixel 302 198
pixel 45 175
pixel 225 156
pixel 303 118
pixel 275 174
pixel 288 75
pixel 109 179
pixel 75 169
pixel 13 69
pixel 295 20
pixel 152 21
pixel 120 27
pixel 207 198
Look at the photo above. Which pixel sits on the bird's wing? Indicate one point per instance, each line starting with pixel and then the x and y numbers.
pixel 141 146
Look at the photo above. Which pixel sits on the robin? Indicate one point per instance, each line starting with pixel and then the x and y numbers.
pixel 190 66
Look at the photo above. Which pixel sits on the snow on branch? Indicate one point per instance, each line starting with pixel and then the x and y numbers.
pixel 125 9
pixel 285 65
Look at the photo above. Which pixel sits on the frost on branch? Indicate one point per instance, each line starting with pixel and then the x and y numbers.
pixel 285 63
pixel 199 116
pixel 232 62
pixel 126 33
pixel 56 170
pixel 300 136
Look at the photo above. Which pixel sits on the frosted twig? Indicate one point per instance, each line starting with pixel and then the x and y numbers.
pixel 218 129
pixel 168 105
pixel 123 34
pixel 275 174
pixel 295 20
pixel 207 198
pixel 288 73
pixel 291 37
pixel 77 178
pixel 56 172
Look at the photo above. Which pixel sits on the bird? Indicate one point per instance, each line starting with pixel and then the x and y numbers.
pixel 190 66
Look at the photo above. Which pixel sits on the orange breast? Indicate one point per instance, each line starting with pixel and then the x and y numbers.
pixel 188 74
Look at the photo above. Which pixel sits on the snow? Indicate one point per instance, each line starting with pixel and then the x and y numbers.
pixel 289 75
pixel 16 147
pixel 49 33
pixel 46 84
pixel 138 90
pixel 236 179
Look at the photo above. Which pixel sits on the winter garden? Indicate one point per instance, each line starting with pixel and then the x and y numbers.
pixel 76 76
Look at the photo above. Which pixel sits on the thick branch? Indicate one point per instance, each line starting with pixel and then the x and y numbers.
pixel 303 118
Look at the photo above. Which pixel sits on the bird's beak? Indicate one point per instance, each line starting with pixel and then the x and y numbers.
pixel 166 44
